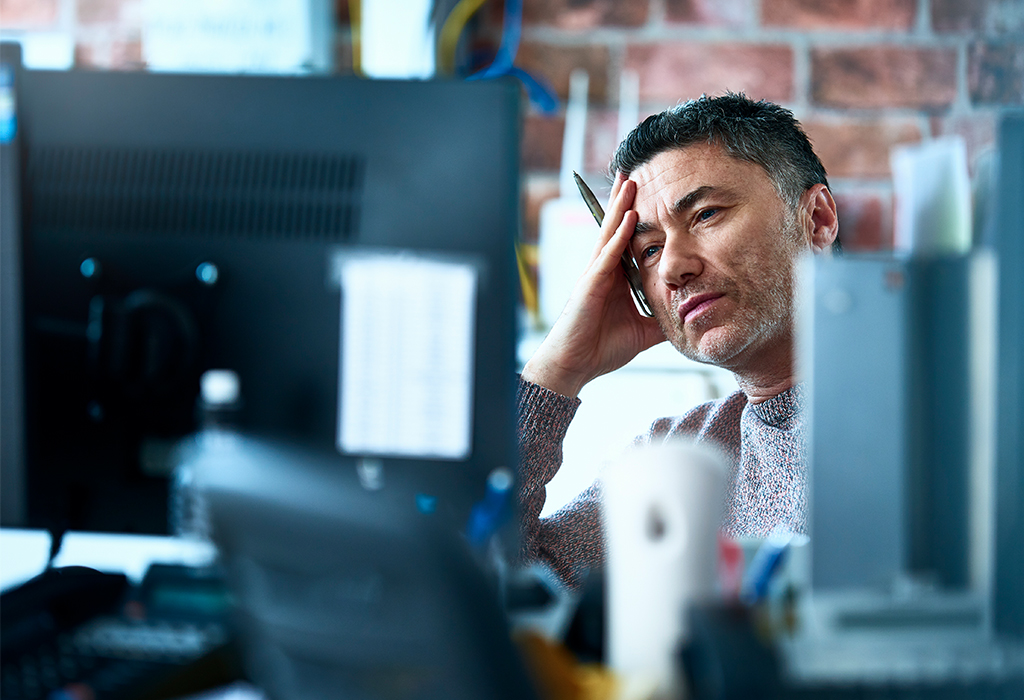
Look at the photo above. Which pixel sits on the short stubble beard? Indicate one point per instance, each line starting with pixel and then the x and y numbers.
pixel 767 320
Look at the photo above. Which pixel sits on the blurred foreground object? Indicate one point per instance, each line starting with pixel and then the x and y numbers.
pixel 915 583
pixel 663 509
pixel 933 197
pixel 343 591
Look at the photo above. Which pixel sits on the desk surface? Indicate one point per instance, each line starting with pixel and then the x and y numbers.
pixel 23 553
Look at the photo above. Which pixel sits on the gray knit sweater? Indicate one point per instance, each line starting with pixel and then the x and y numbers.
pixel 764 443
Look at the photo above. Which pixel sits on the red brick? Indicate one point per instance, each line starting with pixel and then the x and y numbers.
pixel 585 14
pixel 865 220
pixel 602 139
pixel 341 13
pixel 86 56
pixel 17 14
pixel 883 76
pixel 859 148
pixel 977 128
pixel 109 11
pixel 541 147
pixel 995 73
pixel 493 13
pixel 670 72
pixel 127 55
pixel 839 14
pixel 537 189
pixel 992 16
pixel 480 39
pixel 107 54
pixel 554 64
pixel 480 52
pixel 724 13
pixel 343 58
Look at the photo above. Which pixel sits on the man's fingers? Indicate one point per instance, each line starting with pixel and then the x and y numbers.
pixel 622 199
pixel 616 185
pixel 653 333
pixel 611 252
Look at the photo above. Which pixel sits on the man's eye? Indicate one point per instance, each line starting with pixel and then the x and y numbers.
pixel 705 214
pixel 649 251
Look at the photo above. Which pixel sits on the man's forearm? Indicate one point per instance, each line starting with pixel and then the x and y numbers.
pixel 570 542
pixel 543 419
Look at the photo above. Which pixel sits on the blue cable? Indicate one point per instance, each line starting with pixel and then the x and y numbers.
pixel 490 512
pixel 540 94
pixel 511 32
pixel 765 563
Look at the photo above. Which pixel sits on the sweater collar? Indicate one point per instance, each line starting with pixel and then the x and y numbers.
pixel 779 411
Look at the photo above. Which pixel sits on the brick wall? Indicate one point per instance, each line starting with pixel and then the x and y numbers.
pixel 862 75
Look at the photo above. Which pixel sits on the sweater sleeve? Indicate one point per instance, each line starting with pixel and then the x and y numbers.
pixel 569 541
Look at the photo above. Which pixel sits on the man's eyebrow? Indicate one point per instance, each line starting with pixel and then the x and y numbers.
pixel 642 227
pixel 691 198
pixel 681 205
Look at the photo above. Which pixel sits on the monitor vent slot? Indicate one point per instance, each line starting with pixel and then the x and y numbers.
pixel 207 193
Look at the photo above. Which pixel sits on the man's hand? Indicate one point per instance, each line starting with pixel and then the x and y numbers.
pixel 600 328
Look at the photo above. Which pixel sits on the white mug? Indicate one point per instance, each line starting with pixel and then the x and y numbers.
pixel 662 513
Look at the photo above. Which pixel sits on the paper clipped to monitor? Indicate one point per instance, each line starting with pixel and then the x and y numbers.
pixel 407 339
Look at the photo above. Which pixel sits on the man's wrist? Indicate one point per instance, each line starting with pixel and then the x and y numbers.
pixel 549 378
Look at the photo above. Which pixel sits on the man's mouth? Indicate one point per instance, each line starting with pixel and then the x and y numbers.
pixel 697 304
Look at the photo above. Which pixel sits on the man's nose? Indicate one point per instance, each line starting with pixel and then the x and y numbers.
pixel 680 260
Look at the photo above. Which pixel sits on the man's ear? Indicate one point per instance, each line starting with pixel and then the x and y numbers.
pixel 821 219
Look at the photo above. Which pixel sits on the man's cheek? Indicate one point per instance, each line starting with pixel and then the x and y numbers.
pixel 651 282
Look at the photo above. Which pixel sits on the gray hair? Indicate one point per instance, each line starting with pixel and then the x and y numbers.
pixel 757 132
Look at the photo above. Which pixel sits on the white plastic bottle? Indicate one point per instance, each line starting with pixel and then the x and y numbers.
pixel 218 405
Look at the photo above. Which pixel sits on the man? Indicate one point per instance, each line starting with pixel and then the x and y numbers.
pixel 715 200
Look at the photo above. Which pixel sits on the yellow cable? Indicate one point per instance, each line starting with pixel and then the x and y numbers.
pixel 529 291
pixel 450 32
pixel 355 23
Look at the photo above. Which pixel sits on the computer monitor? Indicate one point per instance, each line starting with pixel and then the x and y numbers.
pixel 12 407
pixel 1007 234
pixel 917 376
pixel 276 227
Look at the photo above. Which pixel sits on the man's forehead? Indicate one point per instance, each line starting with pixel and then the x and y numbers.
pixel 693 160
pixel 675 173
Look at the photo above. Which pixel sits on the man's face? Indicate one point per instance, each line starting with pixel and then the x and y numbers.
pixel 716 246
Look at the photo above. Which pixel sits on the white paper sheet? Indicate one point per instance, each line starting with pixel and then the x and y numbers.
pixel 396 38
pixel 407 338
pixel 933 197
pixel 264 36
